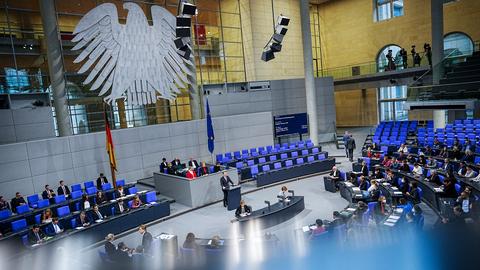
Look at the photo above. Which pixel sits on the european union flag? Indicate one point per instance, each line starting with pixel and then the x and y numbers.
pixel 210 135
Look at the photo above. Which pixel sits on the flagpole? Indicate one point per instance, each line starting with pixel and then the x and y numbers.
pixel 112 170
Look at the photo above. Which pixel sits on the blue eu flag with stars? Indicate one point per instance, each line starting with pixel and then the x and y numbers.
pixel 210 135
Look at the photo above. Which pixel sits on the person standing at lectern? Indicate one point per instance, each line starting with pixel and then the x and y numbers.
pixel 101 180
pixel 283 194
pixel 225 183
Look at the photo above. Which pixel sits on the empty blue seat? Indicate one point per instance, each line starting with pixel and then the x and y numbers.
pixel 285 145
pixel 150 196
pixel 229 155
pixel 262 160
pixel 4 214
pixel 76 187
pixel 343 176
pixel 61 198
pixel 310 144
pixel 288 163
pixel 88 184
pixel 244 151
pixel 315 150
pixel 304 152
pixel 458 188
pixel 32 200
pixel 283 156
pixel 269 148
pixel 273 158
pixel 63 211
pixel 321 156
pixel 132 190
pixel 91 190
pixel 254 170
pixel 23 209
pixel 310 158
pixel 19 225
pixel 38 219
pixel 245 156
pixel 250 162
pixel 299 161
pixel 219 157
pixel 266 168
pixel 120 183
pixel 76 194
pixel 294 154
pixel 106 186
pixel 254 154
pixel 237 154
pixel 73 223
pixel 43 203
pixel 277 165
pixel 239 164
pixel 261 149
pixel 292 146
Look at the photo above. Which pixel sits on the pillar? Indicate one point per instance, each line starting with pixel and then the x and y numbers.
pixel 439 119
pixel 55 66
pixel 308 66
pixel 437 39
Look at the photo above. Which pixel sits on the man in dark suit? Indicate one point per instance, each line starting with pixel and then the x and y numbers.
pixel 17 201
pixel 96 214
pixel 364 169
pixel 447 166
pixel 147 239
pixel 225 182
pixel 63 189
pixel 350 147
pixel 83 220
pixel 163 165
pixel 35 235
pixel 176 163
pixel 193 163
pixel 101 180
pixel 48 193
pixel 54 227
pixel 434 178
pixel 110 248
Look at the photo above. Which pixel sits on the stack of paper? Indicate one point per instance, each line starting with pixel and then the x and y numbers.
pixel 305 229
pixel 356 189
pixel 350 209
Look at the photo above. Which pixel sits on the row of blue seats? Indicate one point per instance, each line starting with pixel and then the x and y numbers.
pixel 21 224
pixel 255 169
pixel 245 153
pixel 293 154
pixel 467 121
pixel 389 142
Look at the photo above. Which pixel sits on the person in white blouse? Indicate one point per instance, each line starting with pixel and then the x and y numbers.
pixel 417 170
pixel 470 173
pixel 283 194
pixel 403 149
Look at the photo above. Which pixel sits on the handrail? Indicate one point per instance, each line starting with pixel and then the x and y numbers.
pixel 430 69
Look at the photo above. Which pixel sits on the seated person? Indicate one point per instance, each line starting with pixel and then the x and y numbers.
pixel 447 166
pixel 47 216
pixel 96 214
pixel 443 152
pixel 217 167
pixel 120 192
pixel 413 194
pixel 470 173
pixel 215 243
pixel 364 169
pixel 163 165
pixel 404 184
pixel 437 144
pixel 170 169
pixel 363 185
pixel 387 162
pixel 100 198
pixel 405 167
pixel 362 207
pixel 373 191
pixel 375 147
pixel 381 209
pixel 469 146
pixel 462 169
pixel 54 227
pixel 428 151
pixel 434 178
pixel 35 235
pixel 123 253
pixel 464 202
pixel 468 157
pixel 176 164
pixel 121 207
pixel 335 176
pixel 337 220
pixel 18 200
pixel 449 188
pixel 319 229
pixel 431 163
pixel 417 170
pixel 369 152
pixel 390 177
pixel 456 154
pixel 421 160
pixel 395 164
pixel 136 202
pixel 411 159
pixel 193 163
pixel 83 220
pixel 85 203
pixel 63 189
pixel 3 204
pixel 101 180
pixel 190 242
pixel 203 170
pixel 243 209
pixel 283 194
pixel 191 174
pixel 403 149
pixel 377 174
pixel 458 219
pixel 48 193
pixel 405 205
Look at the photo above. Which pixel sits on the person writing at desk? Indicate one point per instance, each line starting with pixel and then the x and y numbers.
pixel 96 214
pixel 63 189
pixel 283 194
pixel 225 183
pixel 48 193
pixel 119 193
pixel 54 227
pixel 432 163
pixel 377 174
pixel 417 170
pixel 83 220
pixel 17 201
pixel 100 198
pixel 35 235
pixel 449 188
pixel 243 210
pixel 136 202
pixel 434 178
pixel 191 174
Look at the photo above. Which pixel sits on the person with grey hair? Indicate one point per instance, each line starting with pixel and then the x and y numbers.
pixel 434 178
pixel 110 247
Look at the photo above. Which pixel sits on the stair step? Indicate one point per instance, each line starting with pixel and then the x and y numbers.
pixel 470 72
pixel 460 79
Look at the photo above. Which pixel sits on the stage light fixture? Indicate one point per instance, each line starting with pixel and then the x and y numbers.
pixel 283 20
pixel 276 47
pixel 187 9
pixel 267 55
pixel 182 32
pixel 183 21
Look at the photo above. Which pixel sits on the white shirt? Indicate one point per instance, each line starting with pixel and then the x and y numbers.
pixel 372 188
pixel 57 228
pixel 466 205
pixel 417 170
pixel 86 205
pixel 403 149
pixel 283 194
pixel 470 174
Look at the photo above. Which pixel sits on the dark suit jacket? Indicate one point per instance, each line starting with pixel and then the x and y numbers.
pixel 202 171
pixel 224 182
pixel 50 230
pixel 448 167
pixel 405 168
pixel 335 174
pixel 435 179
pixel 87 220
pixel 364 170
pixel 16 202
pixel 248 209
pixel 95 216
pixel 163 165
pixel 111 250
pixel 147 240
pixel 101 181
pixel 190 163
pixel 414 196
pixel 176 163
pixel 60 191
pixel 351 144
pixel 363 186
pixel 32 239
pixel 450 191
pixel 45 194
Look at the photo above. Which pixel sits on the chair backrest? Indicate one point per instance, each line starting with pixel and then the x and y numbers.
pixel 250 162
pixel 343 175
pixel 23 209
pixel 239 164
pixel 132 190
pixel 321 156
pixel 315 150
pixel 310 158
pixel 294 154
pixel 120 183
pixel 273 158
pixel 38 219
pixel 151 196
pixel 283 156
pixel 76 194
pixel 299 160
pixel 63 211
pixel 43 203
pixel 73 223
pixel 262 160
pixel 4 214
pixel 130 203
pixel 304 152
pixel 252 150
pixel 266 168
pixel 255 154
pixel 244 151
pixel 277 165
pixel 269 148
pixel 236 154
pixel 19 225
pixel 106 186
pixel 25 240
pixel 91 190
pixel 254 170
pixel 60 198
pixel 288 163
pixel 32 200
pixel 458 188
pixel 76 187
pixel 88 184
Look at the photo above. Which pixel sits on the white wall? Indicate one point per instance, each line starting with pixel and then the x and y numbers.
pixel 28 166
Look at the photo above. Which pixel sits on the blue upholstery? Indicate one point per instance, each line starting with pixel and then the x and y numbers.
pixel 88 184
pixel 130 203
pixel 43 203
pixel 32 200
pixel 254 170
pixel 239 164
pixel 315 150
pixel 310 158
pixel 288 163
pixel 304 152
pixel 132 190
pixel 76 187
pixel 266 168
pixel 277 165
pixel 294 154
pixel 219 157
pixel 150 196
pixel 120 183
pixel 38 219
pixel 60 198
pixel 106 186
pixel 269 148
pixel 244 151
pixel 273 158
pixel 343 176
pixel 299 161
pixel 25 240
pixel 73 223
pixel 23 209
pixel 236 154
pixel 250 162
pixel 91 190
pixel 4 214
pixel 262 160
pixel 420 193
pixel 321 157
pixel 63 211
pixel 261 149
pixel 458 188
pixel 76 194
pixel 19 225
pixel 255 154
pixel 371 206
pixel 283 156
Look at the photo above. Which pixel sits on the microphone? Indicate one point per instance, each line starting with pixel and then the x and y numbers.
pixel 292 192
pixel 268 204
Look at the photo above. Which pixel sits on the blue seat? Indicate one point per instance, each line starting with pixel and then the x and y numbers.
pixel 229 155
pixel 150 196
pixel 212 169
pixel 310 145
pixel 285 145
pixel 73 223
pixel 269 148
pixel 288 163
pixel 130 203
pixel 371 207
pixel 19 225
pixel 91 190
pixel 239 164
pixel 21 209
pixel 266 168
pixel 277 165
pixel 304 152
pixel 76 194
pixel 255 154
pixel 43 203
pixel 292 146
pixel 253 150
pixel 132 190
pixel 88 184
pixel 244 151
pixel 321 157
pixel 311 158
pixel 261 149
pixel 283 156
pixel 250 162
pixel 458 188
pixel 236 154
pixel 32 200
pixel 219 157
pixel 63 211
pixel 38 219
pixel 299 161
pixel 76 187
pixel 245 156
pixel 25 240
pixel 294 154
pixel 60 198
pixel 120 183
pixel 254 170
pixel 420 193
pixel 4 214
pixel 273 158
pixel 106 186
pixel 262 160
pixel 315 150
pixel 343 176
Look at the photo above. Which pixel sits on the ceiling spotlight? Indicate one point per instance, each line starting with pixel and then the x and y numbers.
pixel 187 9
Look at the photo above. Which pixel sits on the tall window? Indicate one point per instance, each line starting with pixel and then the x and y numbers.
pixel 382 59
pixel 457 43
pixel 387 9
pixel 391 102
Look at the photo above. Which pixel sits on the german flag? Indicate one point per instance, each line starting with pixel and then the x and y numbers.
pixel 109 144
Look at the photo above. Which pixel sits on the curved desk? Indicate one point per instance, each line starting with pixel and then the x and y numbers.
pixel 276 214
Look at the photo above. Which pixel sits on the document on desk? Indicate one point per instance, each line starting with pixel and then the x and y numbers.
pixel 394 188
pixel 394 217
pixel 389 223
pixel 355 188
pixel 79 228
pixel 305 229
pixel 438 189
pixel 348 184
pixel 399 210
pixel 397 193
pixel 391 220
pixel 350 209
pixel 166 236
pixel 98 220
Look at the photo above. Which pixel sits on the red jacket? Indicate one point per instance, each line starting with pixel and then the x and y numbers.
pixel 191 175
